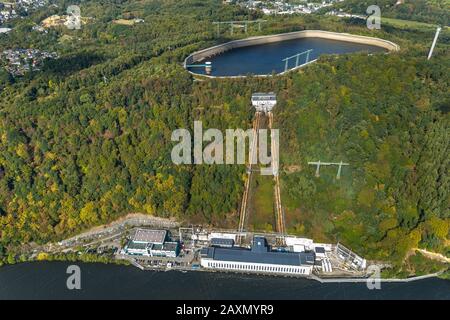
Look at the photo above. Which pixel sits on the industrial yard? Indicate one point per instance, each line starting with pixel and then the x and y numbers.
pixel 150 243
pixel 217 250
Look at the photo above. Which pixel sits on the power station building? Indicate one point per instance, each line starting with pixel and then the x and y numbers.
pixel 152 243
pixel 260 259
pixel 264 102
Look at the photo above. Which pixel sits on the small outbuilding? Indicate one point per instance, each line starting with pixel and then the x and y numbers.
pixel 264 102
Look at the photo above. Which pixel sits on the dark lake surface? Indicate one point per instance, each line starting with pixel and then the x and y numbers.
pixel 267 58
pixel 47 280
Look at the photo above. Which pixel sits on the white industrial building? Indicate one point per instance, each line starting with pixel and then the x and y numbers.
pixel 206 236
pixel 260 259
pixel 264 102
pixel 256 267
pixel 152 243
pixel 320 251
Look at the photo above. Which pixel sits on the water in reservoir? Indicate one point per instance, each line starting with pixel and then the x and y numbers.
pixel 47 280
pixel 267 58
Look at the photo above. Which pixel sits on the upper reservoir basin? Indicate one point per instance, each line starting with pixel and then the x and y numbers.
pixel 264 55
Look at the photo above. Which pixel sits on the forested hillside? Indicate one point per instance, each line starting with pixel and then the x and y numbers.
pixel 384 116
pixel 87 139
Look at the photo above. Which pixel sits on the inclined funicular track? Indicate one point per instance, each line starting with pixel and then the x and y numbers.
pixel 244 211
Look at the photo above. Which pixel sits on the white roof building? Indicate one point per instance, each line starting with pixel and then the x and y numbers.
pixel 150 236
pixel 264 102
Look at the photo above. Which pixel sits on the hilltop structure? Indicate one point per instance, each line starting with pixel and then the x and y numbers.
pixel 264 102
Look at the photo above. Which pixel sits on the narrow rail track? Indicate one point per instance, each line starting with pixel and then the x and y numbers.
pixel 253 152
pixel 279 214
pixel 280 220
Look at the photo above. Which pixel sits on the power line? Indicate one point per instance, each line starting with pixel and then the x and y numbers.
pixel 238 23
pixel 320 163
pixel 297 57
pixel 438 30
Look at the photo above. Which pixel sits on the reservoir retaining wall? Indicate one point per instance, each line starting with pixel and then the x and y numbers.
pixel 221 48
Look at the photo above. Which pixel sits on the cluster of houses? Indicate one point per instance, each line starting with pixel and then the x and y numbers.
pixel 15 8
pixel 20 61
pixel 284 7
pixel 7 12
pixel 342 14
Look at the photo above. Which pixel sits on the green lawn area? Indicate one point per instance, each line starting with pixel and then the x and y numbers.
pixel 309 209
pixel 407 23
pixel 262 215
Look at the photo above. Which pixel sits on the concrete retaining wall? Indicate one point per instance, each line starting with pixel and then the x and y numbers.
pixel 365 280
pixel 221 48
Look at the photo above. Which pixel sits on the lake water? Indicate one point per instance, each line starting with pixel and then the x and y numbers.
pixel 267 58
pixel 47 280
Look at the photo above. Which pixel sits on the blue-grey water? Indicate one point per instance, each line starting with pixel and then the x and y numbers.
pixel 47 280
pixel 267 58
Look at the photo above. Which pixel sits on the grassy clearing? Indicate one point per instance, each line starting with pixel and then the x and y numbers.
pixel 311 203
pixel 124 22
pixel 262 216
pixel 407 24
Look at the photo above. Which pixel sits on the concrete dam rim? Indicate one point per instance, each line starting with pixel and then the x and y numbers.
pixel 211 52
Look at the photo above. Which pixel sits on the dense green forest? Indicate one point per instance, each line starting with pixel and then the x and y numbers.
pixel 429 11
pixel 383 115
pixel 87 139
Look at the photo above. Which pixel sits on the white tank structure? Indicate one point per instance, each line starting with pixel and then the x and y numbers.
pixel 208 67
pixel 221 235
pixel 264 102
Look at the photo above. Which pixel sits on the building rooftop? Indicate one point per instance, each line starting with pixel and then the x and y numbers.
pixel 167 246
pixel 222 242
pixel 204 252
pixel 147 235
pixel 319 249
pixel 136 246
pixel 264 96
pixel 170 246
pixel 259 253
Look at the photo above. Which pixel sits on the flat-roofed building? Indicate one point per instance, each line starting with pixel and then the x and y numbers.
pixel 264 102
pixel 139 249
pixel 222 235
pixel 147 236
pixel 260 258
pixel 152 243
pixel 221 242
pixel 320 252
pixel 306 243
pixel 168 249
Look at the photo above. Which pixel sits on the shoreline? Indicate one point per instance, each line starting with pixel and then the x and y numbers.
pixel 48 281
pixel 338 279
pixel 313 277
pixel 185 264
